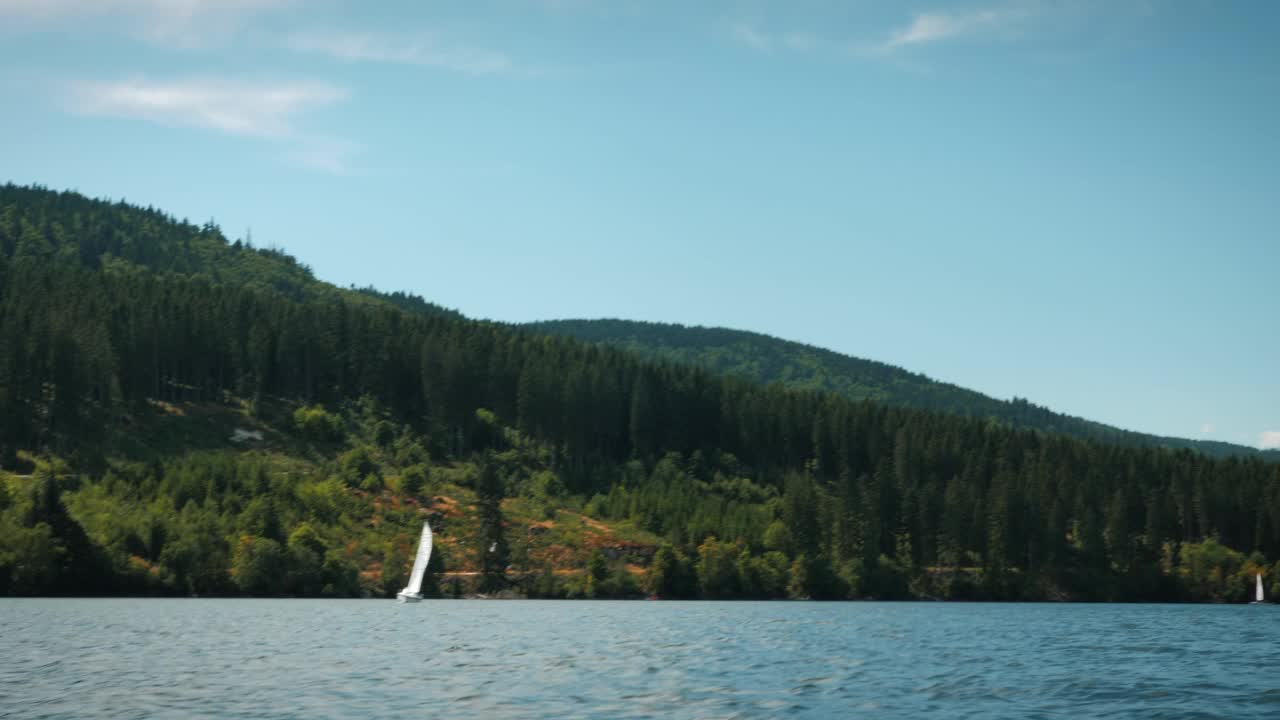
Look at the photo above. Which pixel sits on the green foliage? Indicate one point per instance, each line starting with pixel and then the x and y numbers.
pixel 1211 572
pixel 764 359
pixel 372 483
pixel 258 566
pixel 204 524
pixel 671 575
pixel 414 480
pixel 670 503
pixel 778 537
pixel 492 546
pixel 357 465
pixel 603 579
pixel 317 424
pixel 260 519
pixel 545 584
pixel 132 344
pixel 305 537
pixel 596 573
pixel 717 569
pixel 799 514
pixel 43 548
pixel 813 577
pixel 31 559
pixel 887 580
pixel 620 583
pixel 763 576
pixel 396 564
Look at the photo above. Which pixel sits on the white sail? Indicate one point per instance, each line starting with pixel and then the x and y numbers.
pixel 1259 587
pixel 420 562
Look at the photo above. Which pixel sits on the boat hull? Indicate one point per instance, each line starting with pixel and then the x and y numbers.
pixel 405 597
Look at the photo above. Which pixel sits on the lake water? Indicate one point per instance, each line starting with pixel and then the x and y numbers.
pixel 487 659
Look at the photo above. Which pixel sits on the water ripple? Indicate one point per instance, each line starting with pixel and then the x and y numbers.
pixel 293 658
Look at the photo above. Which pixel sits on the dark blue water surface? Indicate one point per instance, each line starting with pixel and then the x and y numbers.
pixel 483 659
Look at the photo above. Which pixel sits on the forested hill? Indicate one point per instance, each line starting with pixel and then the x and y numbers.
pixel 766 359
pixel 184 414
pixel 117 237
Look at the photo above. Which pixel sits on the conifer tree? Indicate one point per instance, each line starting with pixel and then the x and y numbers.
pixel 491 544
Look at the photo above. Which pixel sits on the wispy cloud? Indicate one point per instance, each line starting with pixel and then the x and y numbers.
pixel 423 50
pixel 1269 440
pixel 751 37
pixel 258 110
pixel 182 22
pixel 264 111
pixel 932 27
pixel 923 29
pixel 1206 429
pixel 763 40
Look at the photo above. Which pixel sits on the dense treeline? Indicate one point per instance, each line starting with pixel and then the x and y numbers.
pixel 766 359
pixel 760 491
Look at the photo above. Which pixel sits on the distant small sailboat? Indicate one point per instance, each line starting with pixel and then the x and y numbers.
pixel 1258 594
pixel 413 591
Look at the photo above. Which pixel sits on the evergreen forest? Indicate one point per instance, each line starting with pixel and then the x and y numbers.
pixel 186 414
pixel 766 359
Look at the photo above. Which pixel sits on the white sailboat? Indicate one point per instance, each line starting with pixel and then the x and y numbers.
pixel 413 591
pixel 1258 594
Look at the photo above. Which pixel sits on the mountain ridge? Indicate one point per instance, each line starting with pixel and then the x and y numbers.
pixel 766 358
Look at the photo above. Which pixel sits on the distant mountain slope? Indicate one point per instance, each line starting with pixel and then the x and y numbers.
pixel 766 359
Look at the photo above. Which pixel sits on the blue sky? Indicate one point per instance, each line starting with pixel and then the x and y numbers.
pixel 1075 202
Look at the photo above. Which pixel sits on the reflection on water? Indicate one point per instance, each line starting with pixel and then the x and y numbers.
pixel 442 658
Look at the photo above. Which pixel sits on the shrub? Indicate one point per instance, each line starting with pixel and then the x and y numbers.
pixel 315 423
